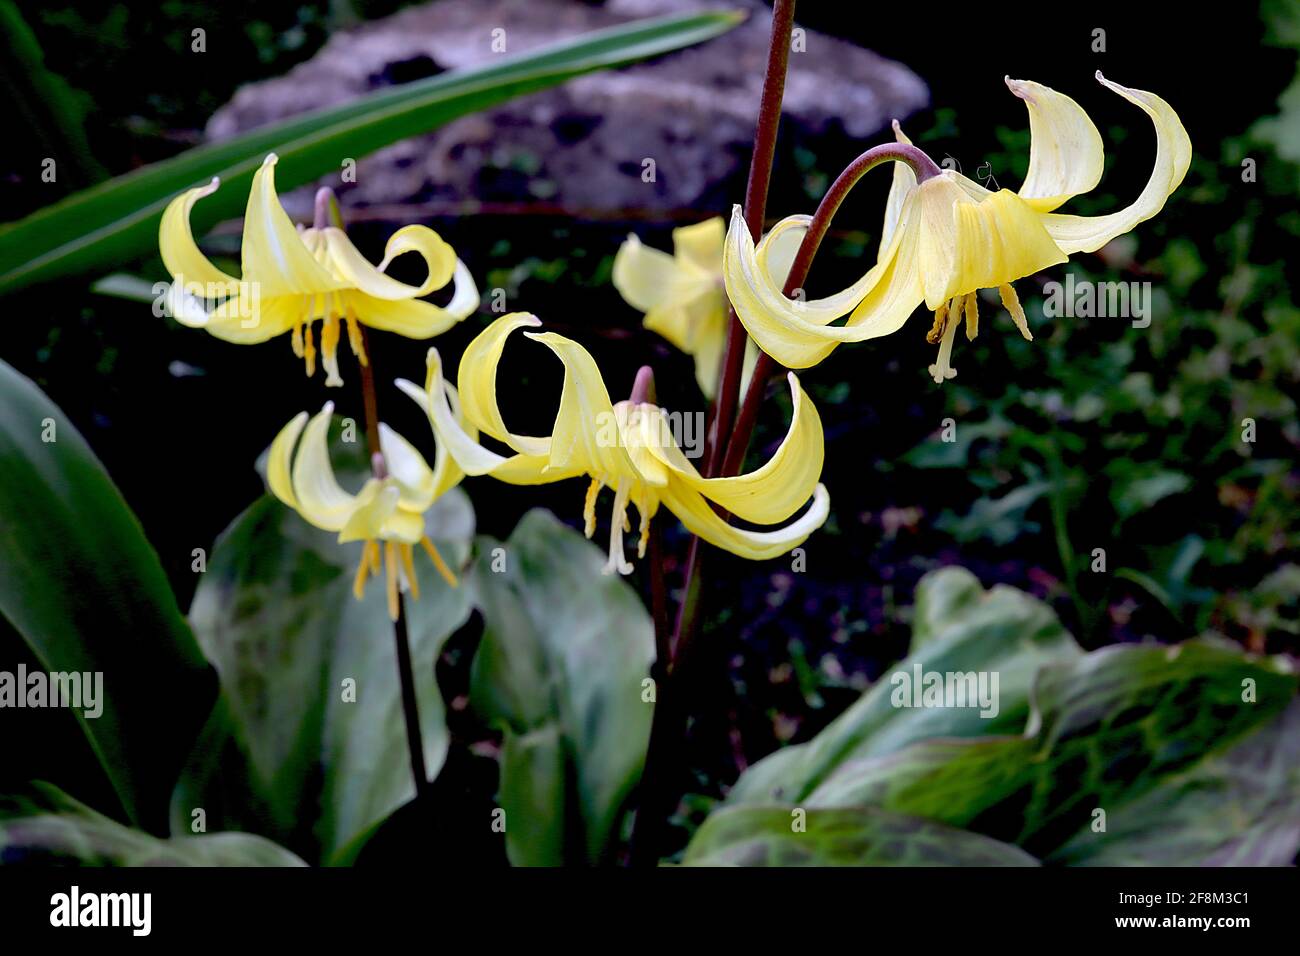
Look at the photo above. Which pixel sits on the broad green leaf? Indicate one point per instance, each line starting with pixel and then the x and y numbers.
pixel 276 616
pixel 87 593
pixel 118 220
pixel 564 652
pixel 1107 729
pixel 852 836
pixel 1240 807
pixel 54 829
pixel 959 628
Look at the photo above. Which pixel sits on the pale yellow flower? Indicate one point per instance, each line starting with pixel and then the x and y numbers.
pixel 387 511
pixel 682 295
pixel 629 447
pixel 292 277
pixel 946 238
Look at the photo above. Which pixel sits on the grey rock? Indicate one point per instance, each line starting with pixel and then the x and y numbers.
pixel 580 148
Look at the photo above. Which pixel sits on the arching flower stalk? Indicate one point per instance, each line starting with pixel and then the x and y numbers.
pixel 292 277
pixel 945 237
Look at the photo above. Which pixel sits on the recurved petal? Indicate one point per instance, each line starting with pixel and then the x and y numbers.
pixel 700 245
pixel 586 436
pixel 1173 156
pixel 320 499
pixel 249 318
pixel 696 514
pixel 646 278
pixel 458 440
pixel 180 253
pixel 407 467
pixel 348 262
pixel 795 333
pixel 477 381
pixel 900 188
pixel 780 487
pixel 273 254
pixel 279 460
pixel 416 318
pixel 1065 151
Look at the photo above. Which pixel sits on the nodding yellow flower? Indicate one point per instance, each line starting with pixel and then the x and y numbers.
pixel 947 237
pixel 628 447
pixel 682 294
pixel 292 277
pixel 387 514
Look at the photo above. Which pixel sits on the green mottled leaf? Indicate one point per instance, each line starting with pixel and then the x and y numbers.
pixel 960 628
pixel 1107 728
pixel 1239 807
pixel 276 616
pixel 54 829
pixel 560 668
pixel 852 836
pixel 86 592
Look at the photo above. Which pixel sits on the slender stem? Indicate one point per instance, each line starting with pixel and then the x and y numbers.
pixel 924 168
pixel 760 175
pixel 657 792
pixel 328 214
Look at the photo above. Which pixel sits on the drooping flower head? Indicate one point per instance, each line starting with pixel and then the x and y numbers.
pixel 292 277
pixel 629 447
pixel 682 295
pixel 387 511
pixel 947 237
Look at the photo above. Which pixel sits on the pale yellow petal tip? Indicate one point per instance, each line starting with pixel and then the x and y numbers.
pixel 271 160
pixel 327 408
pixel 1100 78
pixel 896 126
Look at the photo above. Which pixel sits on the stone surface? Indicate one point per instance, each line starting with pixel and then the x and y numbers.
pixel 581 148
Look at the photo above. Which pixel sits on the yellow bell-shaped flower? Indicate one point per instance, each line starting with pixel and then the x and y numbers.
pixel 292 277
pixel 387 511
pixel 947 237
pixel 629 447
pixel 682 295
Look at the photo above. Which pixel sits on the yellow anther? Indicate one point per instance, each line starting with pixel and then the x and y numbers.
pixel 309 350
pixel 354 339
pixel 1011 302
pixel 438 563
pixel 972 316
pixel 940 323
pixel 589 509
pixel 297 340
pixel 363 571
pixel 408 566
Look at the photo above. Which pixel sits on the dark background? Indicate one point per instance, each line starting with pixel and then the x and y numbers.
pixel 179 418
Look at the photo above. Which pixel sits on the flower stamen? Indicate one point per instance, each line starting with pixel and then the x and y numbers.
pixel 438 562
pixel 1011 302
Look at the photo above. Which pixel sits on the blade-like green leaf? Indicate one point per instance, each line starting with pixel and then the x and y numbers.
pixel 54 829
pixel 311 702
pixel 560 668
pixel 959 628
pixel 87 593
pixel 1237 808
pixel 852 836
pixel 1107 729
pixel 118 220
